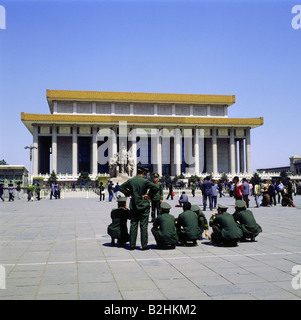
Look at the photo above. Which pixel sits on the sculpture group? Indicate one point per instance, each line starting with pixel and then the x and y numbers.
pixel 122 164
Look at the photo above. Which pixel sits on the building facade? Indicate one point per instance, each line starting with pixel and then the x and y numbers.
pixel 168 133
pixel 293 169
pixel 13 174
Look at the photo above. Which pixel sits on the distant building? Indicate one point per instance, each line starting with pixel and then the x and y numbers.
pixel 84 128
pixel 14 174
pixel 293 168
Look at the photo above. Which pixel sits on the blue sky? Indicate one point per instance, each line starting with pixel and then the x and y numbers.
pixel 245 48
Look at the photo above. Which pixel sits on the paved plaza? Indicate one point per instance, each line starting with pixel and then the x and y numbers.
pixel 59 249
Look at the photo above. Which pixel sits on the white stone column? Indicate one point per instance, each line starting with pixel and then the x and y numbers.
pixel 196 151
pixel 214 152
pixel 241 156
pixel 113 141
pixel 74 107
pixel 236 153
pixel 156 149
pixel 232 151
pixel 74 152
pixel 54 107
pixel 248 151
pixel 178 150
pixel 54 148
pixel 189 159
pixel 94 152
pixel 133 149
pixel 35 157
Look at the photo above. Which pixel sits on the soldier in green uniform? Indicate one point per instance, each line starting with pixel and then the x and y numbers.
pixel 118 228
pixel 157 199
pixel 225 230
pixel 164 228
pixel 188 225
pixel 203 223
pixel 140 190
pixel 246 221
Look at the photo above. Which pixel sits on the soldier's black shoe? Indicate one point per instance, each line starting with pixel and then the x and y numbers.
pixel 145 248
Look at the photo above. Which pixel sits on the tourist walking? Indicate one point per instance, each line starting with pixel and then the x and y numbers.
pixel 170 191
pixel 1 191
pixel 256 194
pixel 214 194
pixel 246 191
pixel 101 192
pixel 206 188
pixel 238 189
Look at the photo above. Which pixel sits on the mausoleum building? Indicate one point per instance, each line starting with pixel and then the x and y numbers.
pixel 168 133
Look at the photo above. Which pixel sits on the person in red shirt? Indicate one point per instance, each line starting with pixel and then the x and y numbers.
pixel 238 189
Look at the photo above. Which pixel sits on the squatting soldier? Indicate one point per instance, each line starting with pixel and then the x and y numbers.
pixel 246 221
pixel 140 190
pixel 157 199
pixel 187 225
pixel 225 229
pixel 164 228
pixel 203 223
pixel 118 228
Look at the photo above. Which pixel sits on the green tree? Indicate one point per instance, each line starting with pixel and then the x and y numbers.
pixel 3 162
pixel 194 178
pixel 84 178
pixel 224 177
pixel 255 178
pixel 283 176
pixel 53 177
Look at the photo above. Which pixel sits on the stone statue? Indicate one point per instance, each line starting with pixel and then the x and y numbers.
pixel 131 164
pixel 123 159
pixel 114 165
pixel 122 164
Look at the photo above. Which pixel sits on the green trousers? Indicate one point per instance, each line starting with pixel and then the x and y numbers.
pixel 156 206
pixel 139 217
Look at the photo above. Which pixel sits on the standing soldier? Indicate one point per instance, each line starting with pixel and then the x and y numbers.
pixel 225 229
pixel 164 228
pixel 246 221
pixel 157 199
pixel 140 190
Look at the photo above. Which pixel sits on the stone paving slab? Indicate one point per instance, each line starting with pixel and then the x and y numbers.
pixel 60 250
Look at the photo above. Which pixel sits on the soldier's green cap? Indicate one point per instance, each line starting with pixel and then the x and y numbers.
pixel 142 170
pixel 156 175
pixel 165 206
pixel 240 204
pixel 219 206
pixel 195 208
pixel 121 199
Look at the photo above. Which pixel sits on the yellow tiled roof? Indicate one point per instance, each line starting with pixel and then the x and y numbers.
pixel 70 95
pixel 74 119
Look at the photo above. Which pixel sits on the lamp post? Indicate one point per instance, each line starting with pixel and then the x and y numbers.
pixel 30 158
